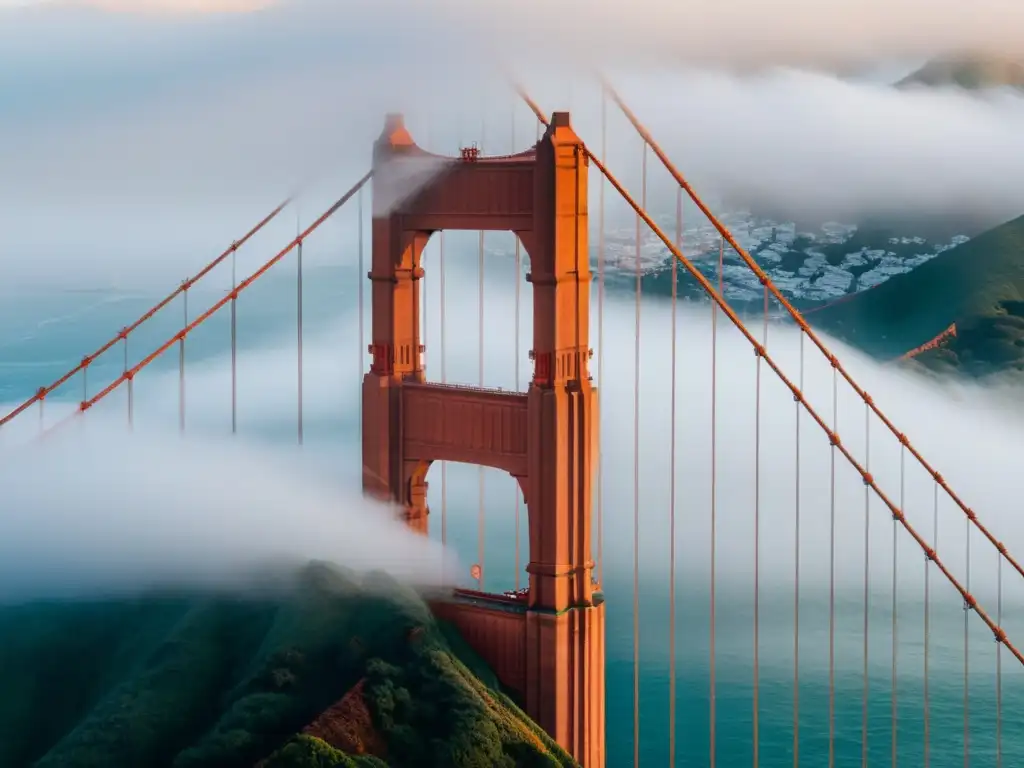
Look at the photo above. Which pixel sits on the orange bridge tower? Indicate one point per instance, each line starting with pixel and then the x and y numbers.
pixel 548 648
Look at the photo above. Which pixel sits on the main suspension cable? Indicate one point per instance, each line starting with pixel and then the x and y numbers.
pixel 220 304
pixel 730 313
pixel 42 392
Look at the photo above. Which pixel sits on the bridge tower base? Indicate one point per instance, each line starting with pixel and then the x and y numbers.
pixel 565 689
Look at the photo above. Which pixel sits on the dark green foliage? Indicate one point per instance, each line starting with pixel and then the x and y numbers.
pixel 307 752
pixel 433 711
pixel 166 702
pixel 190 682
pixel 37 655
pixel 978 285
pixel 476 666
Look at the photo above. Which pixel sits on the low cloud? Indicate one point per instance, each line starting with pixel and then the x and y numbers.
pixel 97 510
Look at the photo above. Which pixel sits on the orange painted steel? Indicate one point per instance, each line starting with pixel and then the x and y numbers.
pixel 949 333
pixel 131 373
pixel 815 339
pixel 410 424
pixel 42 392
pixel 759 350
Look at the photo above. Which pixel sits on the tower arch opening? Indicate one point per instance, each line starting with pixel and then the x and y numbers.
pixel 479 522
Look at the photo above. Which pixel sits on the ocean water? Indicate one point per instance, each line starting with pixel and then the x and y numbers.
pixel 44 332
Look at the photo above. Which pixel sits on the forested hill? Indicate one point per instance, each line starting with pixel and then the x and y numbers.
pixel 977 286
pixel 340 672
pixel 970 72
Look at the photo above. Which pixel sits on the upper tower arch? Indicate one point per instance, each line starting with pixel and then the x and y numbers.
pixel 539 194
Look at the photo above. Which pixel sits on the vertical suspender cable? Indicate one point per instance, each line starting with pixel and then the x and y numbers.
pixel 999 663
pixel 895 618
pixel 518 281
pixel 361 341
pixel 131 404
pixel 867 596
pixel 234 342
pixel 444 380
pixel 519 277
pixel 967 618
pixel 481 538
pixel 422 315
pixel 672 502
pixel 600 328
pixel 714 483
pixel 636 490
pixel 757 541
pixel 832 581
pixel 796 575
pixel 927 617
pixel 481 533
pixel 181 361
pixel 298 308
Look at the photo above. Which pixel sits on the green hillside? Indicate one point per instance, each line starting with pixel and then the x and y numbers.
pixel 978 285
pixel 341 672
pixel 970 72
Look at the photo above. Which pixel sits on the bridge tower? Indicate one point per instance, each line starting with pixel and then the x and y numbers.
pixel 548 648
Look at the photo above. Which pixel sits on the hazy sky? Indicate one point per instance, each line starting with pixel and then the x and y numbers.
pixel 187 126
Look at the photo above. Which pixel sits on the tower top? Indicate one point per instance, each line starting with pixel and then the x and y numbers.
pixel 395 135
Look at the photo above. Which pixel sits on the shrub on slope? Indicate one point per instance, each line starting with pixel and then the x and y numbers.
pixel 191 682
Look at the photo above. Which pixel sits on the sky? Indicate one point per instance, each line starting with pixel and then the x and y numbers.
pixel 138 128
